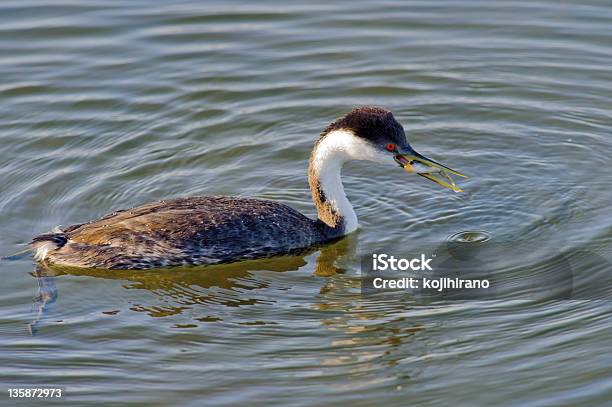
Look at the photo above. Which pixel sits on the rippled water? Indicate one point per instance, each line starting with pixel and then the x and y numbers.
pixel 105 105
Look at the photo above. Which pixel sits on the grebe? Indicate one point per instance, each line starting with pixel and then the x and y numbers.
pixel 221 229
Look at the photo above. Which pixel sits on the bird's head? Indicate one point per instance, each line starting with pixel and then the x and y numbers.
pixel 373 134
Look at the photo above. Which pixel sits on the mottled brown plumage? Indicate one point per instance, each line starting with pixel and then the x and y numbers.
pixel 196 230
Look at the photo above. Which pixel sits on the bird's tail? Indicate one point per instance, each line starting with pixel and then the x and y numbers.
pixel 41 244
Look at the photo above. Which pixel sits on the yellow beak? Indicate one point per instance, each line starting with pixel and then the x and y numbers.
pixel 411 161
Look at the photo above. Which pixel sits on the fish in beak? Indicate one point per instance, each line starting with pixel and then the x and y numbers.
pixel 417 163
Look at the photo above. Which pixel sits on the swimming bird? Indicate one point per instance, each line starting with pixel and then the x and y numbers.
pixel 220 229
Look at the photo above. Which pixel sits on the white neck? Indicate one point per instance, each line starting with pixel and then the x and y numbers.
pixel 334 149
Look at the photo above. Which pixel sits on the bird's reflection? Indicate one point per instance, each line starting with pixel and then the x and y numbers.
pixel 239 284
pixel 188 286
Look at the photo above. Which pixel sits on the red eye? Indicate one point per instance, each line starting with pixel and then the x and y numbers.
pixel 390 147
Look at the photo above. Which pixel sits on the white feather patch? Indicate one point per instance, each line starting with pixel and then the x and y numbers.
pixel 336 148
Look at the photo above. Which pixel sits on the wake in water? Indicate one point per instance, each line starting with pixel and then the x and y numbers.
pixel 47 291
pixel 17 256
pixel 47 295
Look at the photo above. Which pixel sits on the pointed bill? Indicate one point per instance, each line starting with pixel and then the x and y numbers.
pixel 438 181
pixel 431 163
pixel 415 162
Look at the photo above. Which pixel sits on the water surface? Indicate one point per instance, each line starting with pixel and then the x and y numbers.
pixel 106 105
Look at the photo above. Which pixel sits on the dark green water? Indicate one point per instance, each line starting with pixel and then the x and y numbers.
pixel 110 104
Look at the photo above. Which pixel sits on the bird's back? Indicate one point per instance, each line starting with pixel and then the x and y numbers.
pixel 196 230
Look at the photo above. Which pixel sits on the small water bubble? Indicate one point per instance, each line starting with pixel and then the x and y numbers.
pixel 470 236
